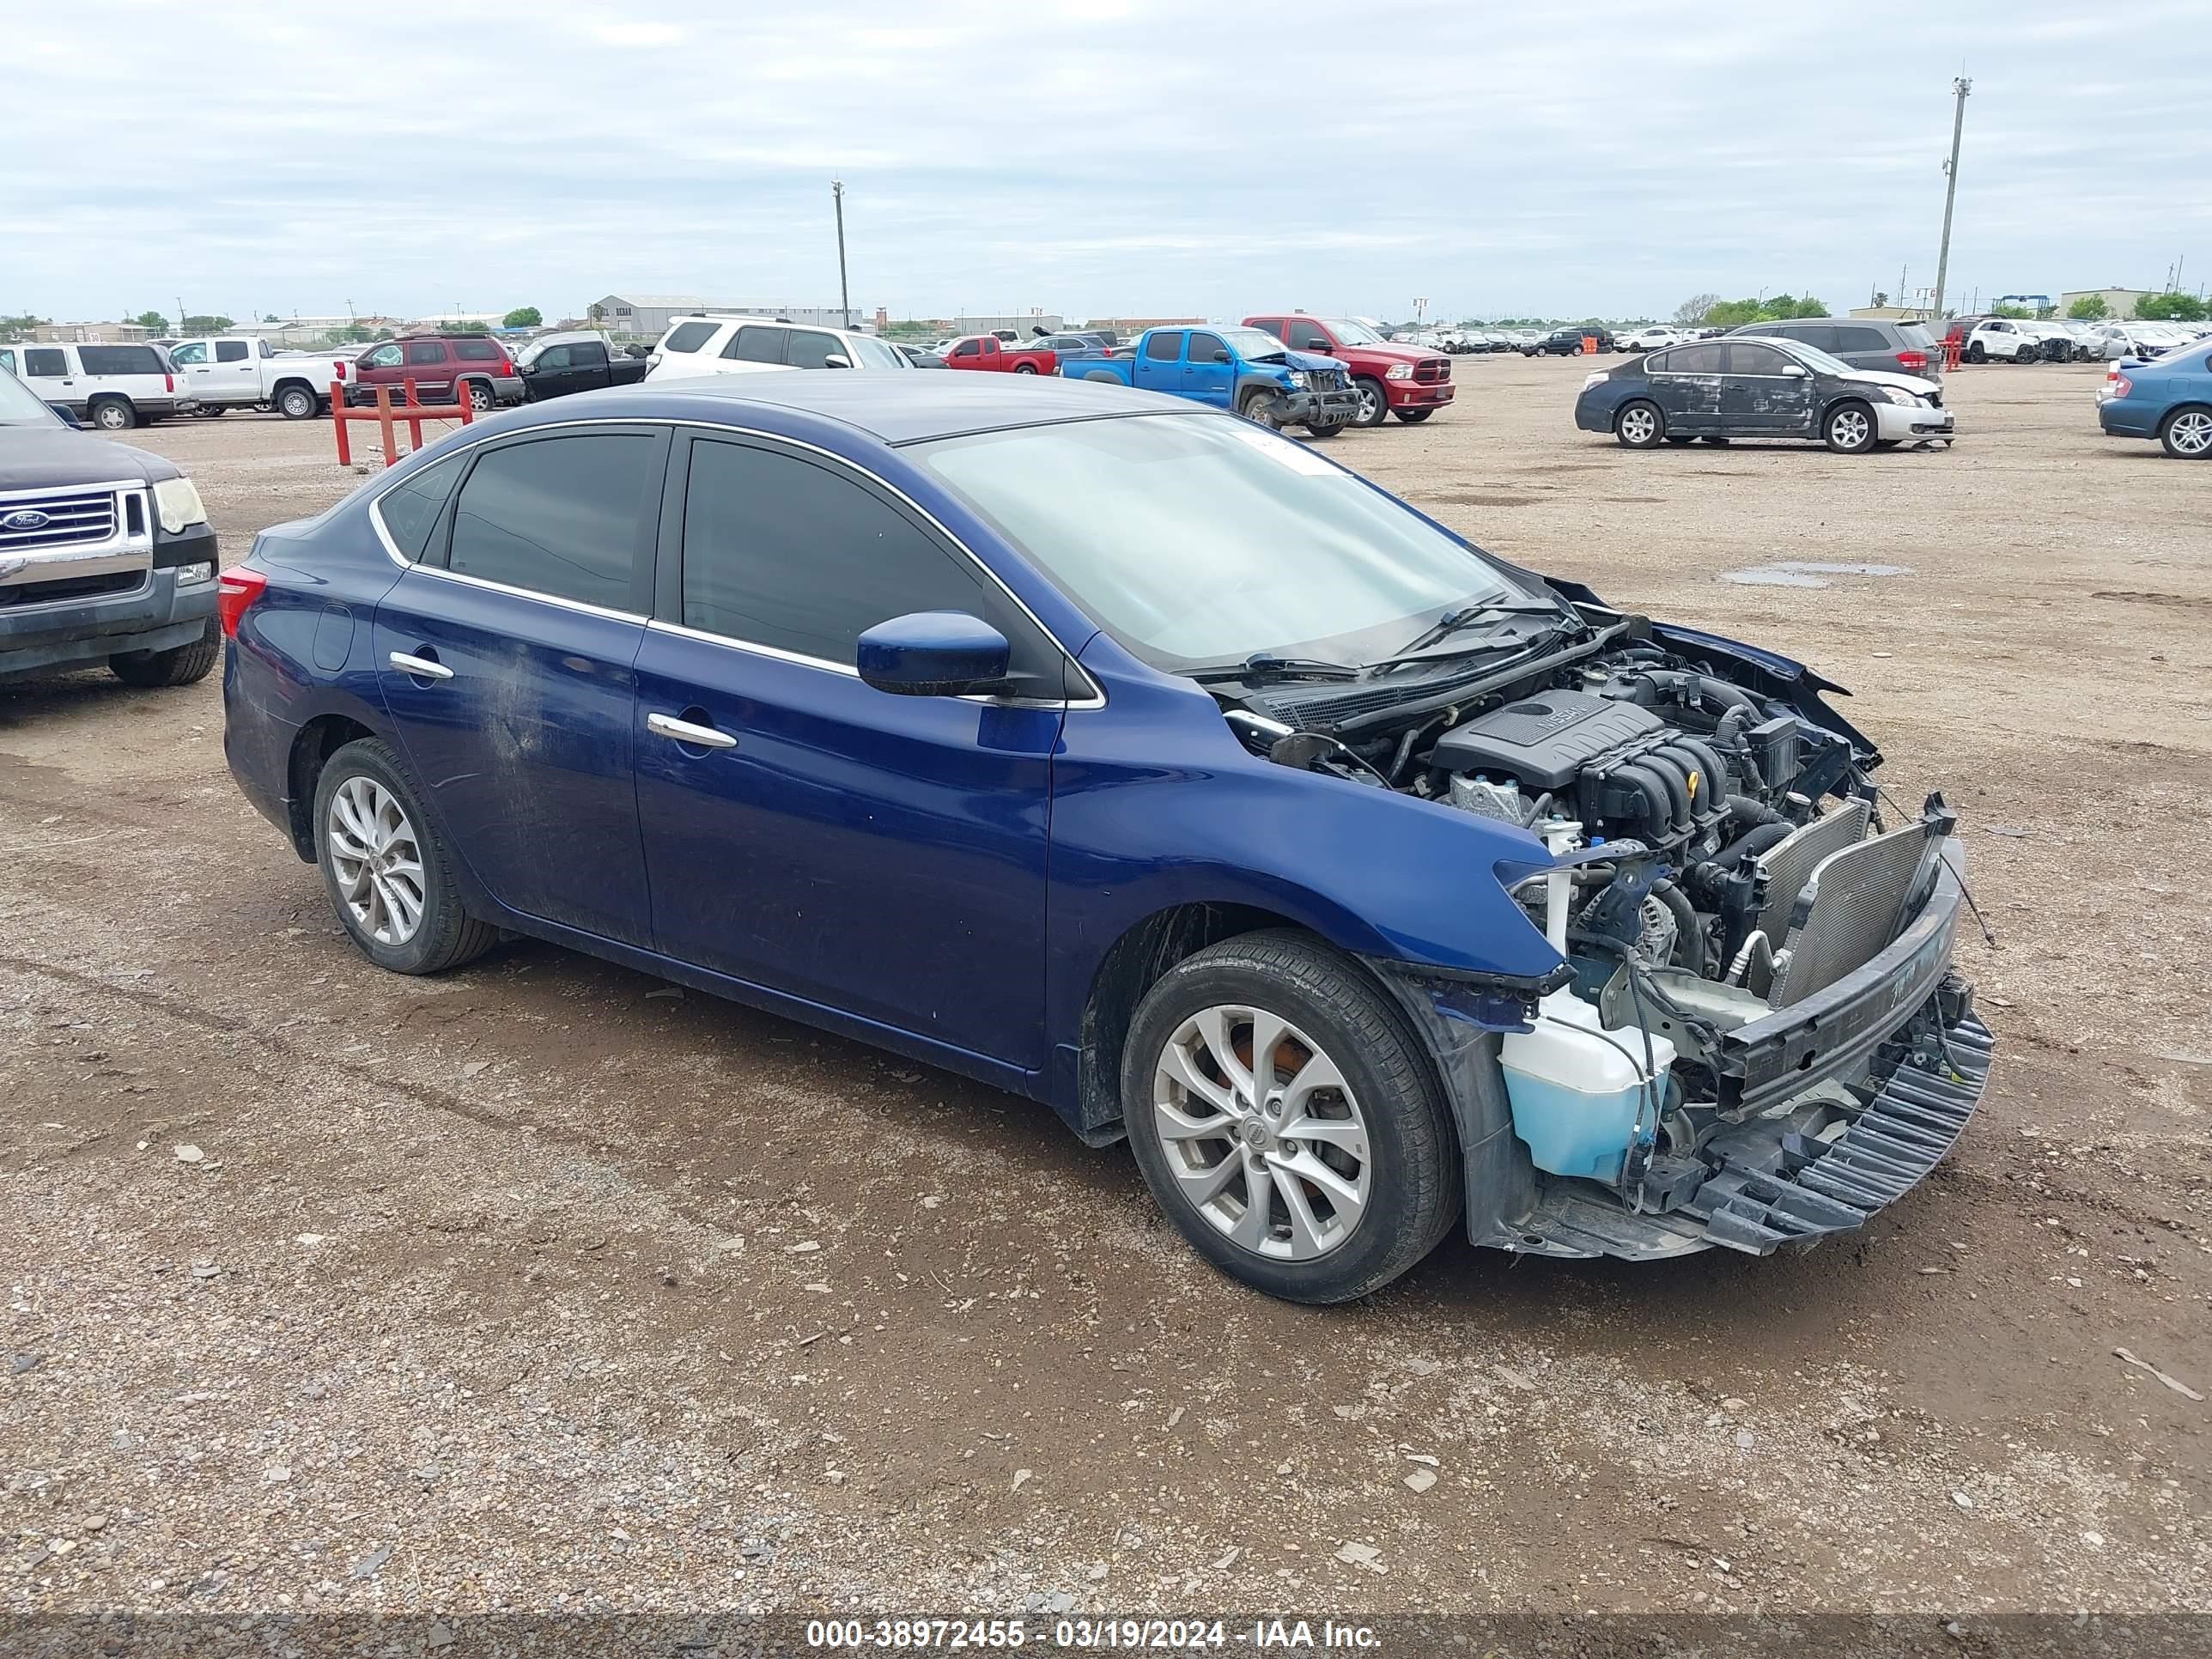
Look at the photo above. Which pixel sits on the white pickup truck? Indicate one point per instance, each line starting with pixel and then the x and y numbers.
pixel 231 371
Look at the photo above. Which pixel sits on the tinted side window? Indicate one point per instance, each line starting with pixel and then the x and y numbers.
pixel 477 351
pixel 1165 347
pixel 1858 339
pixel 385 356
pixel 1308 339
pixel 967 349
pixel 810 350
pixel 120 360
pixel 558 515
pixel 555 357
pixel 1203 346
pixel 45 360
pixel 194 353
pixel 756 345
pixel 585 354
pixel 230 351
pixel 781 551
pixel 426 351
pixel 687 336
pixel 1276 326
pixel 410 510
pixel 1694 359
pixel 1748 359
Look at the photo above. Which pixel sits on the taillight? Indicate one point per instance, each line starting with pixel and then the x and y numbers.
pixel 235 591
pixel 338 369
pixel 507 366
pixel 168 383
pixel 1915 360
pixel 2122 386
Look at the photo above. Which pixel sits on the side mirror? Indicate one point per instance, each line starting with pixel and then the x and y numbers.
pixel 932 654
pixel 1223 357
pixel 67 416
pixel 836 360
pixel 1796 372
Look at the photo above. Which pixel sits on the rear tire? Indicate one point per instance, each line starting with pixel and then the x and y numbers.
pixel 1640 425
pixel 1374 403
pixel 2186 434
pixel 180 666
pixel 296 402
pixel 1380 1159
pixel 114 414
pixel 1849 428
pixel 412 861
pixel 479 396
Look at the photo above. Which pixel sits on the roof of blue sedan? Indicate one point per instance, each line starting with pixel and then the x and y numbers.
pixel 894 406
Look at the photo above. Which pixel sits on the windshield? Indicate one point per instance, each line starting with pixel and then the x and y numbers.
pixel 1251 343
pixel 869 352
pixel 20 405
pixel 1350 333
pixel 1198 540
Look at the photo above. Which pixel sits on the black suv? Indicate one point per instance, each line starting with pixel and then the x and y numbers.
pixel 1570 342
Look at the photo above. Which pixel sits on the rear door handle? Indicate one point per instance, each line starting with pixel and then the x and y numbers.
pixel 700 736
pixel 421 667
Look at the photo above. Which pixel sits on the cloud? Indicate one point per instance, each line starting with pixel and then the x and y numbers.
pixel 1133 156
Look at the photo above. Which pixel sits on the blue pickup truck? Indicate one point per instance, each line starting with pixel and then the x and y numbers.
pixel 1230 368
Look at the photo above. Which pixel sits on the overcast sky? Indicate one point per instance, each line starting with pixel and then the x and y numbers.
pixel 1088 156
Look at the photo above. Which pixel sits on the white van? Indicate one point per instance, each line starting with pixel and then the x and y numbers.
pixel 748 345
pixel 114 387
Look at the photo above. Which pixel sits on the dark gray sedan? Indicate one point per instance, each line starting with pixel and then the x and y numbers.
pixel 1740 387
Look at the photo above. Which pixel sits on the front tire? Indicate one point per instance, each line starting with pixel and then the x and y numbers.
pixel 1414 416
pixel 1326 429
pixel 114 414
pixel 1286 1120
pixel 387 868
pixel 183 664
pixel 1639 425
pixel 1850 427
pixel 2186 434
pixel 1975 354
pixel 296 402
pixel 1257 408
pixel 1374 403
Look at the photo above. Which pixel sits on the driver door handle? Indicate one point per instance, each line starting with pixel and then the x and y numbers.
pixel 421 666
pixel 700 736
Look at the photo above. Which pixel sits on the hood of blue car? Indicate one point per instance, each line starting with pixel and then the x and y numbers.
pixel 1309 360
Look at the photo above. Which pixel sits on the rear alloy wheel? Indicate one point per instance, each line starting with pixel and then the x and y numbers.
pixel 1286 1120
pixel 2187 434
pixel 479 396
pixel 1849 428
pixel 1639 425
pixel 114 415
pixel 389 876
pixel 1374 403
pixel 295 402
pixel 1257 408
pixel 1025 368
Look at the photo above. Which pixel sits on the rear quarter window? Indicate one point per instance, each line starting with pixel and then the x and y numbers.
pixel 120 360
pixel 688 336
pixel 477 351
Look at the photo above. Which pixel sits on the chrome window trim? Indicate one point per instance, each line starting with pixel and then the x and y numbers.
pixel 1095 700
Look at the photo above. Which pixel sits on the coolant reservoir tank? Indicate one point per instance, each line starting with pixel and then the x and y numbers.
pixel 1577 1090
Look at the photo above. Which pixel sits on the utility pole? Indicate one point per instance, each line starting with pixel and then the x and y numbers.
pixel 1959 86
pixel 844 297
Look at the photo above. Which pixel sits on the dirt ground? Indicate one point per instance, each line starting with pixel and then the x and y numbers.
pixel 544 1285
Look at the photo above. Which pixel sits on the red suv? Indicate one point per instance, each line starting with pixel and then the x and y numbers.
pixel 436 362
pixel 1407 382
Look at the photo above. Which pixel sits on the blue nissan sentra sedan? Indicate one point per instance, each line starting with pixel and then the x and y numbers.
pixel 1140 760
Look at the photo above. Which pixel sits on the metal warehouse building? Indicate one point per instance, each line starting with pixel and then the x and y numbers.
pixel 647 316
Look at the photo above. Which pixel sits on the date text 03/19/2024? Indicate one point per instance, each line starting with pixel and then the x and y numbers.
pixel 1157 1635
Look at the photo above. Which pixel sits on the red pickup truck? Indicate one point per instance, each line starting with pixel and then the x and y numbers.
pixel 1408 381
pixel 987 351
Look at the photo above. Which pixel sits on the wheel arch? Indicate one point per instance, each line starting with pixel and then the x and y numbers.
pixel 313 745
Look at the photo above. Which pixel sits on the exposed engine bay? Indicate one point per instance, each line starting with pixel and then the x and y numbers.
pixel 1723 879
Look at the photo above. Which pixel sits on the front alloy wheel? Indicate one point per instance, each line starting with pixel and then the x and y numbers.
pixel 1262 1132
pixel 1374 407
pixel 1287 1119
pixel 1851 428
